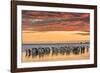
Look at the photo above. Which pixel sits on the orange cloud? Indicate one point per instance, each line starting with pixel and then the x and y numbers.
pixel 55 21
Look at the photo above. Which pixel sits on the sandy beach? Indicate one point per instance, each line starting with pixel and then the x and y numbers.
pixel 53 36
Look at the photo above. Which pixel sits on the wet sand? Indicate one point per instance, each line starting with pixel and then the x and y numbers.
pixel 59 57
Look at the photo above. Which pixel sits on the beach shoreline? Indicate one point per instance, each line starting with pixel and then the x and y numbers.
pixel 59 57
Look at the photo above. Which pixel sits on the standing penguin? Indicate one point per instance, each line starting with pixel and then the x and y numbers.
pixel 26 52
pixel 29 52
pixel 82 50
pixel 87 48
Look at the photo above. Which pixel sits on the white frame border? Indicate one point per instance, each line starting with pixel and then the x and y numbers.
pixel 57 63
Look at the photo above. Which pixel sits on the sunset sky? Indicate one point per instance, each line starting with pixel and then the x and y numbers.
pixel 55 21
pixel 43 26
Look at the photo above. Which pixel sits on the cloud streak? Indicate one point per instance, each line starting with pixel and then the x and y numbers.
pixel 55 21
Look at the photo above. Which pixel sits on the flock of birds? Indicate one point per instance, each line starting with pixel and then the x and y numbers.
pixel 58 50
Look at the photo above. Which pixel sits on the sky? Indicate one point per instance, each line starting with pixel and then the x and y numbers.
pixel 55 21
